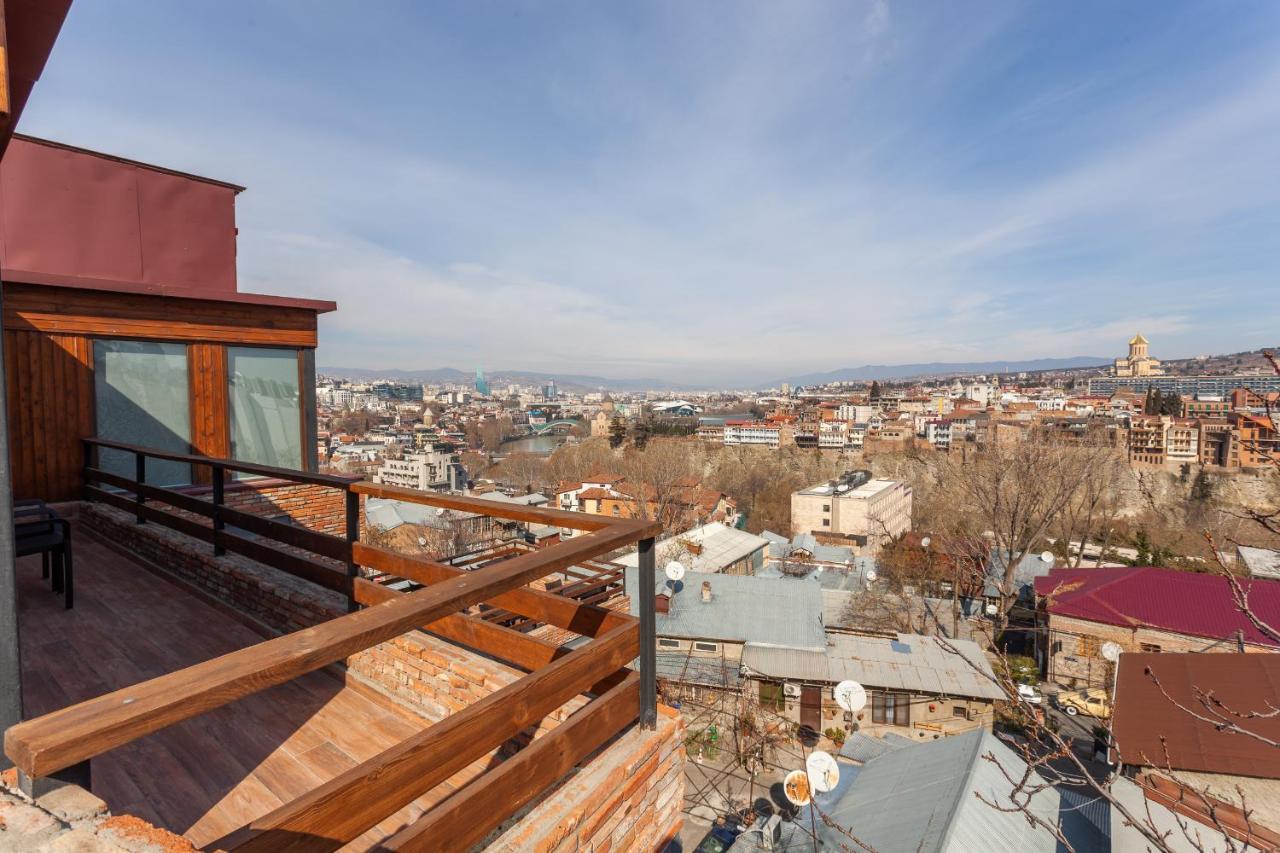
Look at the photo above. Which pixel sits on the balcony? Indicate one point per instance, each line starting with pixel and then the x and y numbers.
pixel 173 707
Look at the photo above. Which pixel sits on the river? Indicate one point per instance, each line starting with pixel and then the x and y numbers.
pixel 540 444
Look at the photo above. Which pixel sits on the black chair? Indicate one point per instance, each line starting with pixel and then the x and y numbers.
pixel 39 530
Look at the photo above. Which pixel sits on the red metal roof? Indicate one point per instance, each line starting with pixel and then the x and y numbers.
pixel 1200 605
pixel 1151 730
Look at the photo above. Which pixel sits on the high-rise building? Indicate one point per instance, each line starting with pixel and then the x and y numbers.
pixel 482 384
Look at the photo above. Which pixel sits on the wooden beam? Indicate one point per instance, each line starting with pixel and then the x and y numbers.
pixel 347 805
pixel 58 740
pixel 547 607
pixel 515 512
pixel 470 814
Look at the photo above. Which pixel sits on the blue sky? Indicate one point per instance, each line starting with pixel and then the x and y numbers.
pixel 715 192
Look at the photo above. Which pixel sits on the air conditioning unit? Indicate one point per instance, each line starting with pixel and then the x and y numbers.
pixel 791 690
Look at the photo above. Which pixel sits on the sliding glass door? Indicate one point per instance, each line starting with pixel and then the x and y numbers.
pixel 142 397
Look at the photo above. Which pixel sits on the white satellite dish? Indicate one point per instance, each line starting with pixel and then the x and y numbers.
pixel 991 610
pixel 871 575
pixel 824 773
pixel 422 541
pixel 924 543
pixel 851 696
pixel 1046 556
pixel 796 788
pixel 1111 651
pixel 675 571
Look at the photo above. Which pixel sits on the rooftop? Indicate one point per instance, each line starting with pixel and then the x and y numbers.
pixel 743 609
pixel 1151 730
pixel 1198 605
pixel 707 549
pixel 910 662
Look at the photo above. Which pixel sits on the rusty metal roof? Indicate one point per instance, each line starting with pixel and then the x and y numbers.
pixel 1151 729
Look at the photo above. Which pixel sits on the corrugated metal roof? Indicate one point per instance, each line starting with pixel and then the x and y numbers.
pixel 864 747
pixel 743 609
pixel 1200 605
pixel 1151 730
pixel 691 669
pixel 924 799
pixel 718 546
pixel 911 662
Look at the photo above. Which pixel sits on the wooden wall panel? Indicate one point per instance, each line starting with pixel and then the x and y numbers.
pixel 210 416
pixel 50 397
pixel 107 314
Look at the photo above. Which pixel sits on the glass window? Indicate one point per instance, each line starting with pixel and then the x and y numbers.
pixel 706 647
pixel 266 406
pixel 771 696
pixel 668 644
pixel 141 397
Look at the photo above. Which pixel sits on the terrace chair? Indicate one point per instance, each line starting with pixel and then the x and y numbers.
pixel 39 530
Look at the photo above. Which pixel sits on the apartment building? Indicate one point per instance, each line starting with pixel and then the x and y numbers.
pixel 1164 440
pixel 429 470
pixel 753 432
pixel 855 509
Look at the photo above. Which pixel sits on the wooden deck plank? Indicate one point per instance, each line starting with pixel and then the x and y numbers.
pixel 206 776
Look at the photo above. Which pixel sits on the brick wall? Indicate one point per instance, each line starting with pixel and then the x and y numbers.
pixel 276 600
pixel 1079 662
pixel 628 798
pixel 318 508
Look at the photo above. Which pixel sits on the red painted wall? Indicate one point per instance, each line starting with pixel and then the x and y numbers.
pixel 69 215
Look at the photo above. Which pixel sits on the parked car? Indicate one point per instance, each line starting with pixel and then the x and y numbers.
pixel 1030 694
pixel 1092 701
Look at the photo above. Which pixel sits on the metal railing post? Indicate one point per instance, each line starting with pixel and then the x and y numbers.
pixel 353 536
pixel 140 477
pixel 217 473
pixel 648 637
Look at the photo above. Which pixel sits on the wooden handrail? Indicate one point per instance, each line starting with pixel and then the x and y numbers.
pixel 58 740
pixel 469 815
pixel 308 477
pixel 347 805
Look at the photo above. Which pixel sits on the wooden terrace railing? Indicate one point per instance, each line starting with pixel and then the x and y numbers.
pixel 344 807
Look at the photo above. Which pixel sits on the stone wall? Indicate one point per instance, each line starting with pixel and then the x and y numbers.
pixel 1079 663
pixel 628 798
pixel 319 508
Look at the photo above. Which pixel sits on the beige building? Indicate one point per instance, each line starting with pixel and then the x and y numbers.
pixel 855 510
pixel 600 424
pixel 1138 363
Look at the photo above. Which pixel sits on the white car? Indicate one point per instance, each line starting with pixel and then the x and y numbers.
pixel 1030 694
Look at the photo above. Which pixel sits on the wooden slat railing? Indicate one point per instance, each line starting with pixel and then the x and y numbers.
pixel 360 798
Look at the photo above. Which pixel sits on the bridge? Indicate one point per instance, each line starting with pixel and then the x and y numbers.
pixel 548 427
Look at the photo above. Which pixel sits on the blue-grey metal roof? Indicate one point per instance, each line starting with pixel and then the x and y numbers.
pixel 925 799
pixel 863 747
pixel 1029 568
pixel 692 669
pixel 911 662
pixel 743 609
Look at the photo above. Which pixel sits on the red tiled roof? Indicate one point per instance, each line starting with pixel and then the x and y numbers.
pixel 595 494
pixel 1200 605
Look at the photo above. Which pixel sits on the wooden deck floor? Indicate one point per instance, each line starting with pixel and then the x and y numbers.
pixel 212 774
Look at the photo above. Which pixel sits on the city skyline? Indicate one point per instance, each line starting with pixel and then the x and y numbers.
pixel 721 193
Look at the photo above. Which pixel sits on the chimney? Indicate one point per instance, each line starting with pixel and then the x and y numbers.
pixel 662 603
pixel 706 591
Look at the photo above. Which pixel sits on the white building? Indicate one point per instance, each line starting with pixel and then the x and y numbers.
pixel 429 470
pixel 865 512
pixel 752 432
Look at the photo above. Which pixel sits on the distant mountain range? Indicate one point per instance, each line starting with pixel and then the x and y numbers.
pixel 501 378
pixel 942 368
pixel 580 383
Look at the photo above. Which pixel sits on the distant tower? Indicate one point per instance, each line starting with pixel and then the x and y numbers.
pixel 482 384
pixel 1137 347
pixel 549 392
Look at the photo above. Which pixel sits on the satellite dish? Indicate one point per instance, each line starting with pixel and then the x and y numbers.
pixel 422 541
pixel 871 575
pixel 1111 651
pixel 824 773
pixel 851 696
pixel 796 788
pixel 924 543
pixel 675 571
pixel 1047 556
pixel 991 610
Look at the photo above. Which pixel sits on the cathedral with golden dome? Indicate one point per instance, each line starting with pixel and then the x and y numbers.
pixel 1138 362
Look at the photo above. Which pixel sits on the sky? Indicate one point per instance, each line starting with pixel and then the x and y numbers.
pixel 715 192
